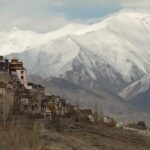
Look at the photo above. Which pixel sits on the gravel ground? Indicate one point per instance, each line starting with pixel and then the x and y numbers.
pixel 89 137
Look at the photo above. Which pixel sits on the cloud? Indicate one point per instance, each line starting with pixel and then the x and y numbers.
pixel 42 25
pixel 83 9
pixel 31 15
pixel 46 15
pixel 138 4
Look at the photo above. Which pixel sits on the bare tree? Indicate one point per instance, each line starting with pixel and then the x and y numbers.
pixel 77 118
pixel 98 112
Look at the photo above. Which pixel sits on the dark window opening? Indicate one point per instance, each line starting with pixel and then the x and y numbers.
pixel 22 77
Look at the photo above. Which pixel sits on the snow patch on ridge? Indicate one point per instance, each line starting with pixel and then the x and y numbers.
pixel 117 46
pixel 136 88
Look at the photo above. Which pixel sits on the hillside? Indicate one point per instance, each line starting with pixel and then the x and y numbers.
pixel 106 56
pixel 138 93
pixel 87 137
pixel 109 103
pixel 114 60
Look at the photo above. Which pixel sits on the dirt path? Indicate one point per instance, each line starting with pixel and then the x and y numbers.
pixel 95 138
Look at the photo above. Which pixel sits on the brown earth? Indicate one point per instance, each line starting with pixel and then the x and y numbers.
pixel 91 137
pixel 66 135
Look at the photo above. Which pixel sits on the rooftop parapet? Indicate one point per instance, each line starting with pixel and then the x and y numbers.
pixel 15 64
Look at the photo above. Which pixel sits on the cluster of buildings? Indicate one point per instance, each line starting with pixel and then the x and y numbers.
pixel 30 98
pixel 15 69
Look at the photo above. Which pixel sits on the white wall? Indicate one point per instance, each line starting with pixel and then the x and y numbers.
pixel 22 74
pixel 2 91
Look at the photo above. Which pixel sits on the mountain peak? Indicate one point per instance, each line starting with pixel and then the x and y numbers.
pixel 118 42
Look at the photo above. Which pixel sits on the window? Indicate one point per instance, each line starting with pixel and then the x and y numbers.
pixel 22 72
pixel 22 77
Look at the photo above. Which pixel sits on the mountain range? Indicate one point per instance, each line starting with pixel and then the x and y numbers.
pixel 104 62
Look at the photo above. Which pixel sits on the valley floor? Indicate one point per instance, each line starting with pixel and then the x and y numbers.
pixel 66 135
pixel 89 137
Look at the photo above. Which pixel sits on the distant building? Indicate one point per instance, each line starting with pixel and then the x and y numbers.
pixel 35 87
pixel 15 65
pixel 15 69
pixel 4 64
pixel 30 98
pixel 85 115
pixel 2 88
pixel 18 72
pixel 29 103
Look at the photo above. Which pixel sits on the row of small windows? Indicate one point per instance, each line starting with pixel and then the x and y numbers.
pixel 22 72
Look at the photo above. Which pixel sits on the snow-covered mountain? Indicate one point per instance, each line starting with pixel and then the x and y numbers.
pixel 136 88
pixel 138 93
pixel 95 61
pixel 110 54
pixel 17 40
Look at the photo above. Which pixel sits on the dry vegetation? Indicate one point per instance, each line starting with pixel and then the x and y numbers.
pixel 94 137
pixel 20 135
pixel 67 135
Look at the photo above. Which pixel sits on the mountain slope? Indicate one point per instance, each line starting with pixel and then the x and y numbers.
pixel 113 52
pixel 122 41
pixel 67 60
pixel 138 93
pixel 109 103
pixel 106 56
pixel 136 88
pixel 17 40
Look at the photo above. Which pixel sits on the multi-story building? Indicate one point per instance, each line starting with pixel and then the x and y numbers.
pixel 18 72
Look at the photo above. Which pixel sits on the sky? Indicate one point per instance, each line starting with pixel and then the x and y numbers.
pixel 47 15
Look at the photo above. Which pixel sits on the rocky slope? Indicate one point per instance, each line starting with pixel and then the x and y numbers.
pixel 106 56
pixel 112 53
pixel 138 93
